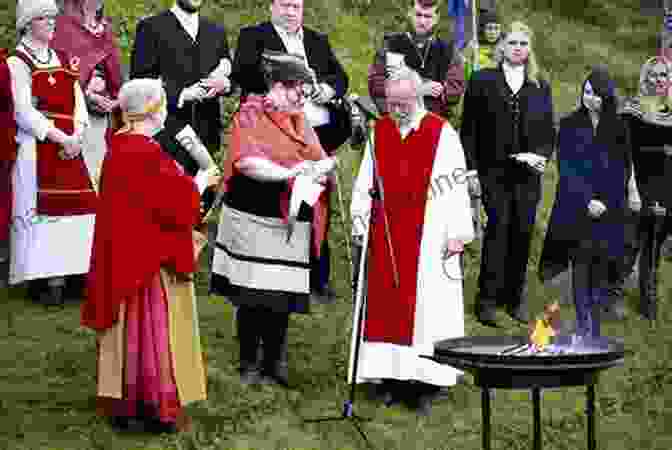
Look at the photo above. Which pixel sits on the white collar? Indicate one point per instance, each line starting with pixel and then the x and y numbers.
pixel 415 122
pixel 284 33
pixel 185 17
pixel 518 69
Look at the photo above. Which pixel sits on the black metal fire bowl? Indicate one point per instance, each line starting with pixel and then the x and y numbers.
pixel 576 365
pixel 572 363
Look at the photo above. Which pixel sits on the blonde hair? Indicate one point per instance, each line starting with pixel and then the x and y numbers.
pixel 531 66
pixel 646 69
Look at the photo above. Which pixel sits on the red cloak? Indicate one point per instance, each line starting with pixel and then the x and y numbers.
pixel 7 146
pixel 405 167
pixel 147 211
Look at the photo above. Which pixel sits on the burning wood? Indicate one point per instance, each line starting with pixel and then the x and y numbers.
pixel 543 330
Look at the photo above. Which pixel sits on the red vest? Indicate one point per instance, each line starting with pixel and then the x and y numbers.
pixel 405 167
pixel 64 186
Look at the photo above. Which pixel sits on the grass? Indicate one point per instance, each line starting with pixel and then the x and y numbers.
pixel 47 362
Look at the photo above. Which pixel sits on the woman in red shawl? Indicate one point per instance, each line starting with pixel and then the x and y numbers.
pixel 140 289
pixel 275 169
pixel 83 32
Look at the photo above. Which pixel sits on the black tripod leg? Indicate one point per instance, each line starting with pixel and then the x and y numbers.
pixel 590 415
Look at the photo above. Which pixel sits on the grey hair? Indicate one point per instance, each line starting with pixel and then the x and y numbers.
pixel 408 74
pixel 137 94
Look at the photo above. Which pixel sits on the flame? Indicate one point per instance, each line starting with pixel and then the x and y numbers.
pixel 543 329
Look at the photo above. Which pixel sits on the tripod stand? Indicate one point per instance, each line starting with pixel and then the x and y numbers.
pixel 360 302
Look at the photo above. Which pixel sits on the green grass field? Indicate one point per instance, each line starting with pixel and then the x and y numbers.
pixel 47 361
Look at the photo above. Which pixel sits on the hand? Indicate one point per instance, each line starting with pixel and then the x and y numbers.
pixel 195 92
pixel 533 160
pixel 72 147
pixel 322 94
pixel 596 208
pixel 474 186
pixel 216 86
pixel 303 168
pixel 96 84
pixel 103 103
pixel 325 166
pixel 453 247
pixel 214 178
pixel 657 209
pixel 437 89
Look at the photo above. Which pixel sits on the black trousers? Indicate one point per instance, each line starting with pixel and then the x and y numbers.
pixel 261 325
pixel 510 197
pixel 653 231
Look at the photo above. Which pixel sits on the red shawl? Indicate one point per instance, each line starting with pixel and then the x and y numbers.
pixel 73 39
pixel 147 211
pixel 7 146
pixel 282 138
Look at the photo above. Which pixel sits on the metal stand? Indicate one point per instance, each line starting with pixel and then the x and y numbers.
pixel 536 414
pixel 360 298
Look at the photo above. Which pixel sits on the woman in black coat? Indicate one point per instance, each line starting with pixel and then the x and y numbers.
pixel 587 225
pixel 649 116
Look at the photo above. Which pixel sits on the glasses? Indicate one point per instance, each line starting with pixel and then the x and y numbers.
pixel 518 43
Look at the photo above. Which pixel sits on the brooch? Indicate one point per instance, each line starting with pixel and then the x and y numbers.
pixel 74 63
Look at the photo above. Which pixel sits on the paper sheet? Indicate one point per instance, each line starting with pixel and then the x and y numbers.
pixel 316 114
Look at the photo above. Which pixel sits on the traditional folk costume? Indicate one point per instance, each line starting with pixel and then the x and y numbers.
pixel 426 201
pixel 506 113
pixel 54 198
pixel 650 121
pixel 257 265
pixel 99 56
pixel 328 120
pixel 141 297
pixel 7 158
pixel 594 163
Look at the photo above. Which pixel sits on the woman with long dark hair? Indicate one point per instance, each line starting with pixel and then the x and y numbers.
pixel 587 225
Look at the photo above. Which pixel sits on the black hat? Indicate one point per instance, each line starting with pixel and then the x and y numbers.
pixel 280 66
pixel 486 16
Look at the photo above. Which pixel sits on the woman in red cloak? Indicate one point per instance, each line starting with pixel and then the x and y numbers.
pixel 140 289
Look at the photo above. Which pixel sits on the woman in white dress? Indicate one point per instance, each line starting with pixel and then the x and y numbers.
pixel 54 199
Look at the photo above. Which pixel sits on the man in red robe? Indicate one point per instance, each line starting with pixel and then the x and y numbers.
pixel 420 222
pixel 7 158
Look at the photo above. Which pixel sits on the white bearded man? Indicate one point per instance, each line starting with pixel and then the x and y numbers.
pixel 421 163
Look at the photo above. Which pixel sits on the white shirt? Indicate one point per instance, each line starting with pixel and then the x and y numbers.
pixel 188 21
pixel 515 76
pixel 293 41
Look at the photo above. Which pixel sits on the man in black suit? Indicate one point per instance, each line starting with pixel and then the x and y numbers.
pixel 191 55
pixel 507 133
pixel 286 33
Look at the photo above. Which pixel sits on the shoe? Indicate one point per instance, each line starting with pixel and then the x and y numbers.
pixel 275 377
pixel 120 423
pixel 159 427
pixel 324 296
pixel 249 377
pixel 424 407
pixel 486 315
pixel 53 296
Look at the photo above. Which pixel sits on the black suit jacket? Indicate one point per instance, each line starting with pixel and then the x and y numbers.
pixel 489 131
pixel 164 49
pixel 252 42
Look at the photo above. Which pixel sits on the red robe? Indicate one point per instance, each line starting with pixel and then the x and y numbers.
pixel 64 186
pixel 147 211
pixel 406 169
pixel 7 146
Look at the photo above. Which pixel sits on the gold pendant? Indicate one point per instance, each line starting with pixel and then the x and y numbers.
pixel 52 80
